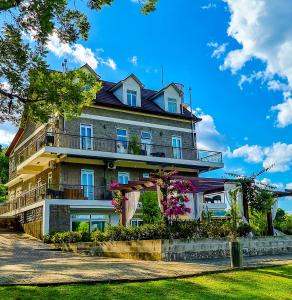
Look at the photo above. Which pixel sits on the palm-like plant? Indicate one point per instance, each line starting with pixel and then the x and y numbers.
pixel 251 187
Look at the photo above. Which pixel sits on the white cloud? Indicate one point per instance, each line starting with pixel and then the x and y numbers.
pixel 79 53
pixel 134 60
pixel 289 186
pixel 263 30
pixel 284 116
pixel 109 62
pixel 208 137
pixel 209 6
pixel 279 154
pixel 218 50
pixel 252 154
pixel 7 132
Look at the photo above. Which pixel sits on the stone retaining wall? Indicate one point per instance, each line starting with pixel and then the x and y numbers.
pixel 180 250
pixel 187 250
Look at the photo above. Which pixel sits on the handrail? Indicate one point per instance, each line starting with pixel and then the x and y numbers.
pixel 56 191
pixel 46 138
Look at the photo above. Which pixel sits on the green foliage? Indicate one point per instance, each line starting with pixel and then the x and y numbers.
pixel 26 83
pixel 286 225
pixel 258 223
pixel 283 221
pixel 280 215
pixel 234 213
pixel 134 145
pixel 63 237
pixel 150 209
pixel 177 230
pixel 263 201
pixel 4 170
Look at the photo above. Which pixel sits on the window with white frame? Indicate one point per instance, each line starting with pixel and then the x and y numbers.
pixel 146 175
pixel 86 136
pixel 176 147
pixel 122 141
pixel 123 177
pixel 146 139
pixel 132 98
pixel 171 105
pixel 135 222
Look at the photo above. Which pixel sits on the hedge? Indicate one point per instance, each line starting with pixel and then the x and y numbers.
pixel 177 230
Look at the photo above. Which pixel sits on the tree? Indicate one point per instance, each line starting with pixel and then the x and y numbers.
pixel 27 85
pixel 150 210
pixel 4 169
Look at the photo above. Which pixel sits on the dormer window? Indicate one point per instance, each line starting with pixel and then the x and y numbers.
pixel 171 105
pixel 131 98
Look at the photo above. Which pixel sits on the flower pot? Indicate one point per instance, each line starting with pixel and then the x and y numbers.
pixel 236 257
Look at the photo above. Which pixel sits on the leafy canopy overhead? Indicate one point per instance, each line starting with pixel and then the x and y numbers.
pixel 26 82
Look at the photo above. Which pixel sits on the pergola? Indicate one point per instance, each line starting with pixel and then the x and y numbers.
pixel 204 186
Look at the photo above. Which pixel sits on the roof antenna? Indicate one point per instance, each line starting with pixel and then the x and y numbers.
pixel 162 74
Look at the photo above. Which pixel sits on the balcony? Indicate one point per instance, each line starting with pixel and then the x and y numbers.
pixel 48 145
pixel 56 191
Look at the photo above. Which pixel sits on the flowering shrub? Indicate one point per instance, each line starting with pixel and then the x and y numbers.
pixel 174 193
pixel 117 201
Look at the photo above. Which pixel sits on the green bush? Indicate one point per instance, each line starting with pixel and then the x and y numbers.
pixel 63 237
pixel 177 230
pixel 98 236
pixel 150 209
pixel 286 225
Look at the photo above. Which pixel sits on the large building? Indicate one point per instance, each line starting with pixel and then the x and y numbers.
pixel 60 172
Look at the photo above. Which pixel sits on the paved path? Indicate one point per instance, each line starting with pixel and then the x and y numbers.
pixel 24 260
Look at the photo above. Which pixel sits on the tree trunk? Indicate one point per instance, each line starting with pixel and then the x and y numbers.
pixel 270 223
pixel 245 207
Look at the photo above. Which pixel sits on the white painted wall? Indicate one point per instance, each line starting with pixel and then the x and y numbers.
pixel 128 84
pixel 170 92
pixel 162 100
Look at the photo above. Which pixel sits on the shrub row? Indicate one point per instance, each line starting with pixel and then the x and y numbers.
pixel 177 230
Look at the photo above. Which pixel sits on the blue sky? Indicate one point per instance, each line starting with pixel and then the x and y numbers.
pixel 224 51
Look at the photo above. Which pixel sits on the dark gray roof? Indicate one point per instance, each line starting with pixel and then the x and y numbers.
pixel 106 97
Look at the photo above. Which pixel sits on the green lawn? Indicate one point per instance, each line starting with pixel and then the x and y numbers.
pixel 266 283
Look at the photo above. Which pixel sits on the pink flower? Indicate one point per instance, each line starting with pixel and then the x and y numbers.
pixel 115 184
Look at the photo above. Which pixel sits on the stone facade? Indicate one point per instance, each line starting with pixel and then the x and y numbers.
pixel 107 130
pixel 59 218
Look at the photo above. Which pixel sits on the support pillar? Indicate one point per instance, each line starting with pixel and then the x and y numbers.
pixel 124 221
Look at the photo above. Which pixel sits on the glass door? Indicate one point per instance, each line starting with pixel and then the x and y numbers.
pixel 86 137
pixel 87 182
pixel 146 142
pixel 122 141
pixel 177 147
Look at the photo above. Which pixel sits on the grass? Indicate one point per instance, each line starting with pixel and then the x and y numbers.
pixel 265 283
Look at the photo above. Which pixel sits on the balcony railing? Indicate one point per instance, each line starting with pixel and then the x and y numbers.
pixel 116 146
pixel 56 191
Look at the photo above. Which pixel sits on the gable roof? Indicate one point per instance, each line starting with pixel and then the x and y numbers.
pixel 106 97
pixel 87 66
pixel 14 141
pixel 118 84
pixel 180 92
